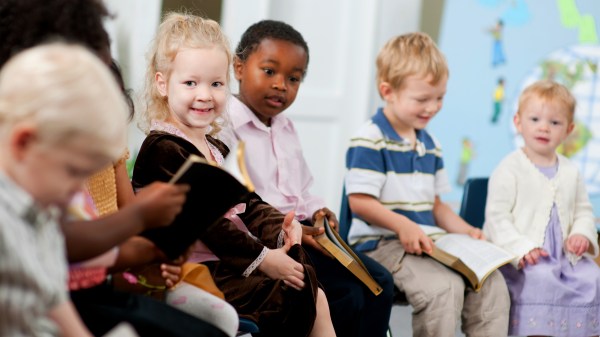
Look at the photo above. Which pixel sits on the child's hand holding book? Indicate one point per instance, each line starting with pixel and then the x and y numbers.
pixel 413 239
pixel 159 203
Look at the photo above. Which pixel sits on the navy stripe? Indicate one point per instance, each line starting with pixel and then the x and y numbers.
pixel 399 162
pixel 421 218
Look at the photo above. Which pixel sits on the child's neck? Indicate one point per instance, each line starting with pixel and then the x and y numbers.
pixel 196 136
pixel 201 143
pixel 543 160
pixel 407 134
pixel 266 121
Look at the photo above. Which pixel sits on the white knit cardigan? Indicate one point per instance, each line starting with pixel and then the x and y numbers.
pixel 520 199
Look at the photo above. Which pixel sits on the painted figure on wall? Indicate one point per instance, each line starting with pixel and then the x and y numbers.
pixel 466 155
pixel 498 100
pixel 498 57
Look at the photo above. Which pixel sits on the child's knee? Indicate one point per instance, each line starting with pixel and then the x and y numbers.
pixel 444 292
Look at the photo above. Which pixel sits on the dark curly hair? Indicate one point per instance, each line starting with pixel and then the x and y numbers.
pixel 27 23
pixel 268 29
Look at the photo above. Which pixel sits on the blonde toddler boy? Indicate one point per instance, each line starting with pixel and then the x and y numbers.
pixel 62 117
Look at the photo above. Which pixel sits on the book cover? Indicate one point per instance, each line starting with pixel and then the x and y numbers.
pixel 213 191
pixel 474 259
pixel 333 243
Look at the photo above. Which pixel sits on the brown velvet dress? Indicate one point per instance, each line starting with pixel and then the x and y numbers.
pixel 277 309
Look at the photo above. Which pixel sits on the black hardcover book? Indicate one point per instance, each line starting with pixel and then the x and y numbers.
pixel 214 190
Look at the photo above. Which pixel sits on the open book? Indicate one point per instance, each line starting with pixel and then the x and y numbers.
pixel 474 259
pixel 213 191
pixel 333 243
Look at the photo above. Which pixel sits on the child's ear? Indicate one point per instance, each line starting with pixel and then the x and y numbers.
pixel 161 83
pixel 238 67
pixel 385 90
pixel 517 122
pixel 570 128
pixel 21 138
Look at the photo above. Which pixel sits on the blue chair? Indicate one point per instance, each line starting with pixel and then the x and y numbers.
pixel 345 217
pixel 472 208
pixel 247 327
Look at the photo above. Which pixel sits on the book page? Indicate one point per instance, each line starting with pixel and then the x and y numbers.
pixel 332 237
pixel 328 239
pixel 235 164
pixel 480 256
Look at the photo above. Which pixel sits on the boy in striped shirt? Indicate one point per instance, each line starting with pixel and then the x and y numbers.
pixel 394 179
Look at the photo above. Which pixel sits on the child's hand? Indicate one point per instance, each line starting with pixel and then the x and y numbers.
pixel 333 221
pixel 308 234
pixel 171 273
pixel 159 203
pixel 171 270
pixel 279 266
pixel 476 233
pixel 532 257
pixel 577 244
pixel 414 240
pixel 292 230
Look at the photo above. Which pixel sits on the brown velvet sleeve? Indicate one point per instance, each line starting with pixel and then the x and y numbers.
pixel 263 221
pixel 159 158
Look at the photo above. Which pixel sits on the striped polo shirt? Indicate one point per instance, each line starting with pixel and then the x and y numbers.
pixel 403 178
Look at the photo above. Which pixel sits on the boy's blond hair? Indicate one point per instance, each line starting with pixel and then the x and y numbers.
pixel 177 31
pixel 67 94
pixel 413 54
pixel 549 92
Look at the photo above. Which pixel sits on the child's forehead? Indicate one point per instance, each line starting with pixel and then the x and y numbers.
pixel 537 104
pixel 272 46
pixel 423 82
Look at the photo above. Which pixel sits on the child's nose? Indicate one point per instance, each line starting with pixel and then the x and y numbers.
pixel 203 93
pixel 434 106
pixel 279 83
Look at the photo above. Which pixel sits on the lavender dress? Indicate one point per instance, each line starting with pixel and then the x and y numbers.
pixel 553 297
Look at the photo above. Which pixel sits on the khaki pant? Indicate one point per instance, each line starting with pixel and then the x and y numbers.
pixel 440 298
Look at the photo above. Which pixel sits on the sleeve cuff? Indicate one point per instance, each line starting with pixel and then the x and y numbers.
pixel 257 262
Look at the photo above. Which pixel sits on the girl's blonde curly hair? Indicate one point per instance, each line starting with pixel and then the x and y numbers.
pixel 177 31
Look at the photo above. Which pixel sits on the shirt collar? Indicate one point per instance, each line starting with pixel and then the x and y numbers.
pixel 242 115
pixel 19 201
pixel 168 128
pixel 388 132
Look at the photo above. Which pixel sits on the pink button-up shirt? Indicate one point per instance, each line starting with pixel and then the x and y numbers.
pixel 274 160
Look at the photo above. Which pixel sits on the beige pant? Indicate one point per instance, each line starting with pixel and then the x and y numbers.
pixel 440 298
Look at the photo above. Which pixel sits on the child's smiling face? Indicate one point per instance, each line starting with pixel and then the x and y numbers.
pixel 196 87
pixel 270 77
